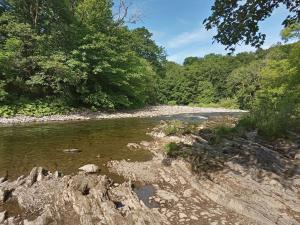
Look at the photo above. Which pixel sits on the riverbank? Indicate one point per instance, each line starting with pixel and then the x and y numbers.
pixel 198 179
pixel 153 111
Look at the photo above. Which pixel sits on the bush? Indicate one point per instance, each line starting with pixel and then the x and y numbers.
pixel 171 149
pixel 36 108
pixel 172 103
pixel 177 127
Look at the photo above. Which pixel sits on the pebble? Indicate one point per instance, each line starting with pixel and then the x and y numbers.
pixel 194 217
pixel 182 215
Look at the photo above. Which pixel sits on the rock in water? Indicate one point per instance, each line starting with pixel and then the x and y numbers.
pixel 90 168
pixel 73 150
pixel 133 146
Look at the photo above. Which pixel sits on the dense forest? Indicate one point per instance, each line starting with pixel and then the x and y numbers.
pixel 60 55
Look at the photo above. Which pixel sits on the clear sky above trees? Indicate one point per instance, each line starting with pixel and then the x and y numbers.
pixel 178 26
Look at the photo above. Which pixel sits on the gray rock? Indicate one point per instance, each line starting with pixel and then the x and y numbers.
pixel 2 216
pixel 90 168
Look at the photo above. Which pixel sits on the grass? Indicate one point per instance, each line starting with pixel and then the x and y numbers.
pixel 177 127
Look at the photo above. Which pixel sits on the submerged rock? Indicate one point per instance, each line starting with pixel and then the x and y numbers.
pixel 90 168
pixel 133 146
pixel 73 150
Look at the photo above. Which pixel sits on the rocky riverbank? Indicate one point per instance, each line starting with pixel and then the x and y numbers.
pixel 153 111
pixel 197 179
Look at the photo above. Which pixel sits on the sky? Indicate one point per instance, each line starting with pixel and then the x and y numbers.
pixel 177 26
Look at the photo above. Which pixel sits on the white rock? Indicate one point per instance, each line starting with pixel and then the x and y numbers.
pixel 90 168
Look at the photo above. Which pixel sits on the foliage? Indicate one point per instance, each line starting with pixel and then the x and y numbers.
pixel 75 51
pixel 37 108
pixel 173 127
pixel 238 21
pixel 171 149
pixel 177 127
pixel 277 106
pixel 291 32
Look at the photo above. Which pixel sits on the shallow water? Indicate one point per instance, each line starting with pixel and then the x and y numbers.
pixel 24 147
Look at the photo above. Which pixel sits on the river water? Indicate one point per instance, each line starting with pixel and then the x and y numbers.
pixel 26 146
pixel 23 147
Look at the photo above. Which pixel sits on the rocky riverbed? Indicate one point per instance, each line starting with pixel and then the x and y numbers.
pixel 239 179
pixel 153 111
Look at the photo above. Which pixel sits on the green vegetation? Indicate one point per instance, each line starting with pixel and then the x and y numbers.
pixel 172 149
pixel 266 82
pixel 60 54
pixel 177 127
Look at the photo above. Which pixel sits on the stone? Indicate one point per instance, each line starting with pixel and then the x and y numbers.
pixel 57 174
pixel 187 193
pixel 2 216
pixel 182 215
pixel 194 217
pixel 41 173
pixel 90 168
pixel 72 150
pixel 133 146
pixel 297 155
pixel 145 143
pixel 32 178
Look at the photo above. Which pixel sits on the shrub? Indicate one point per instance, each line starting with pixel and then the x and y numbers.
pixel 171 149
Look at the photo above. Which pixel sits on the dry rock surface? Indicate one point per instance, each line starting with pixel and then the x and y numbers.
pixel 90 199
pixel 238 181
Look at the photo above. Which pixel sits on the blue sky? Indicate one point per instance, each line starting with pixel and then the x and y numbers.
pixel 177 26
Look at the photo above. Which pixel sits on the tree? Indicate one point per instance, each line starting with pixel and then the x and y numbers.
pixel 238 21
pixel 291 32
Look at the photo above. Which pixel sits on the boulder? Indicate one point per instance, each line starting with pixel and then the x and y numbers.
pixel 90 168
pixel 297 155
